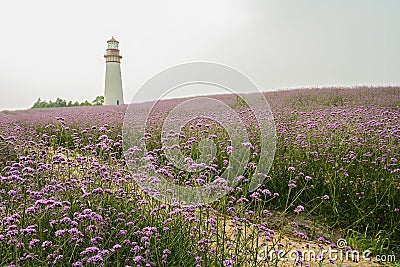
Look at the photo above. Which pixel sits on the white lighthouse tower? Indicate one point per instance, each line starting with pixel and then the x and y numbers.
pixel 113 85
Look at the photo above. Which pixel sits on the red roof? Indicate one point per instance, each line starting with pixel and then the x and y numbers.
pixel 112 40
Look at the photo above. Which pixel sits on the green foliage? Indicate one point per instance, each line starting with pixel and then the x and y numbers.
pixel 98 101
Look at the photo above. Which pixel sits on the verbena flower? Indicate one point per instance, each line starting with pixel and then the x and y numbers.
pixel 299 209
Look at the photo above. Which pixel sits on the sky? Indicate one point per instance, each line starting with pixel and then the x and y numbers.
pixel 53 49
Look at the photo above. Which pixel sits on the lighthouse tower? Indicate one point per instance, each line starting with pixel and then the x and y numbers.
pixel 113 84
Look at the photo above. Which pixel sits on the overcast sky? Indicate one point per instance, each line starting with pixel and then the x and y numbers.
pixel 53 49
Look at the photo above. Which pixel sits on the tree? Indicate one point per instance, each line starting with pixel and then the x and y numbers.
pixel 37 103
pixel 98 101
pixel 60 102
pixel 50 104
pixel 40 104
pixel 86 103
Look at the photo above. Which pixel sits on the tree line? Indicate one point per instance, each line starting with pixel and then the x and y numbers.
pixel 98 101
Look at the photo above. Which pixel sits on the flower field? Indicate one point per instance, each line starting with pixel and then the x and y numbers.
pixel 67 197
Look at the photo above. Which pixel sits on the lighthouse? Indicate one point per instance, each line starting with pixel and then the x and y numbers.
pixel 113 84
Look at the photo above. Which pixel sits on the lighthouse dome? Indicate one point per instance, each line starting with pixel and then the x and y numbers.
pixel 112 40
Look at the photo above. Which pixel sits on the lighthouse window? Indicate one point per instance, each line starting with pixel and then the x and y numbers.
pixel 113 45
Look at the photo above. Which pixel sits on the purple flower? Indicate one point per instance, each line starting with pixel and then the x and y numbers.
pixel 77 264
pixel 60 233
pixel 228 263
pixel 46 244
pixel 138 258
pixel 212 221
pixel 299 209
pixel 30 230
pixel 117 246
pixel 98 190
pixel 255 195
pixel 12 193
pixel 90 250
pixel 248 144
pixel 33 243
pixel 266 192
pixel 122 232
pixel 95 259
pixel 30 210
